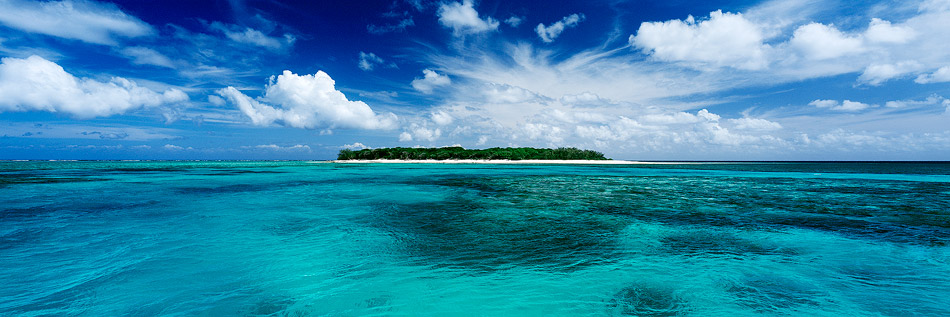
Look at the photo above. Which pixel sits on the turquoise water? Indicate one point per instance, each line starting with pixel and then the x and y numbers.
pixel 319 239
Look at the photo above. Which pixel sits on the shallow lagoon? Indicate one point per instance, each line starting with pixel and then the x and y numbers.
pixel 300 238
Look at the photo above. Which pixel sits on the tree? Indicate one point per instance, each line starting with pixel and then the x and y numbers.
pixel 459 153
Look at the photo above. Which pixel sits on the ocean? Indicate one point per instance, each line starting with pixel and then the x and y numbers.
pixel 321 239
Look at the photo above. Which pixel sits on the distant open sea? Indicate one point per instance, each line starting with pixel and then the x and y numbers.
pixel 323 239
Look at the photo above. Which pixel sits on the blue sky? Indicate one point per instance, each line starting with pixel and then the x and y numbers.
pixel 665 80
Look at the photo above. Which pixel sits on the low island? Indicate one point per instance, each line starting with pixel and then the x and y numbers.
pixel 457 154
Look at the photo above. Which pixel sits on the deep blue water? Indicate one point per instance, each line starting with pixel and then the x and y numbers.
pixel 301 239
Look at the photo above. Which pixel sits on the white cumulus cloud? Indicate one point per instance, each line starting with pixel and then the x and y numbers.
pixel 420 132
pixel 462 18
pixel 941 75
pixel 36 84
pixel 680 117
pixel 725 39
pixel 818 41
pixel 430 81
pixel 876 74
pixel 441 117
pixel 355 146
pixel 275 147
pixel 543 132
pixel 551 32
pixel 756 41
pixel 846 105
pixel 881 31
pixel 86 21
pixel 307 101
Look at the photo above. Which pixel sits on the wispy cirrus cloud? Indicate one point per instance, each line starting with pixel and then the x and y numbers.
pixel 614 99
pixel 514 21
pixel 397 19
pixel 87 21
pixel 69 129
pixel 550 32
pixel 369 61
pixel 723 82
pixel 251 36
pixel 397 27
pixel 147 56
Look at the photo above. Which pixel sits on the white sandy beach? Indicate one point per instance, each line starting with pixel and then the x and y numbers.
pixel 582 162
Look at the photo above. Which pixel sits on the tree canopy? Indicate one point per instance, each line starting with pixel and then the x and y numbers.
pixel 459 153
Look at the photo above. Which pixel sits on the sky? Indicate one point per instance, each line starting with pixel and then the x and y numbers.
pixel 640 80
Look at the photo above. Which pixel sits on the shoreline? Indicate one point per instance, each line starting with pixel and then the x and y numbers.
pixel 570 162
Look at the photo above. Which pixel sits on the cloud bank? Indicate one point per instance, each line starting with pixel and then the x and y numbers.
pixel 881 51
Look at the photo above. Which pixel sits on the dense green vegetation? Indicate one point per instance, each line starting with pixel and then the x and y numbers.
pixel 459 153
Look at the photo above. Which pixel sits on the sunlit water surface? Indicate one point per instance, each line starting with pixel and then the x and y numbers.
pixel 303 238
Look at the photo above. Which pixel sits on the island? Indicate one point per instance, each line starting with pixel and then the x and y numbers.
pixel 459 153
